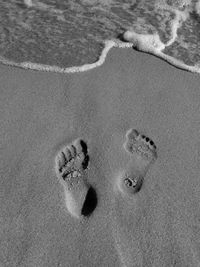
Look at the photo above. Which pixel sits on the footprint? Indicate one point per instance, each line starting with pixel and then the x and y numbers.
pixel 71 164
pixel 143 153
pixel 129 181
pixel 141 147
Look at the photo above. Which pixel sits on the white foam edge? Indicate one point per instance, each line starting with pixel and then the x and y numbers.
pixel 197 7
pixel 144 42
pixel 86 67
pixel 178 63
pixel 152 49
pixel 152 44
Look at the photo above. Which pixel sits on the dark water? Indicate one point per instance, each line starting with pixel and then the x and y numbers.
pixel 72 32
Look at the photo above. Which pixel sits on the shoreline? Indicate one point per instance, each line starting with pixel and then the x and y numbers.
pixel 150 44
pixel 46 68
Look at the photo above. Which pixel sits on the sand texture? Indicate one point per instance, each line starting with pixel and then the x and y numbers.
pixel 42 112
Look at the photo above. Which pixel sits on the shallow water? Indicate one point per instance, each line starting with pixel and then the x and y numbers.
pixel 72 33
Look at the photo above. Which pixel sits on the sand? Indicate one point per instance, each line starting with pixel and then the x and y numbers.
pixel 40 112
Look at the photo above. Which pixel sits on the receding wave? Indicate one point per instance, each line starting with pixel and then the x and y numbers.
pixel 74 36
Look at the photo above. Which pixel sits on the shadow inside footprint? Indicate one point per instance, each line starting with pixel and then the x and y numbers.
pixel 85 162
pixel 84 147
pixel 90 203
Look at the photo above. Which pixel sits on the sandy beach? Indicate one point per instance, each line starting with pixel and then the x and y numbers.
pixel 41 112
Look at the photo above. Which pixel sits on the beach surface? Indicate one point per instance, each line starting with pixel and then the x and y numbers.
pixel 41 111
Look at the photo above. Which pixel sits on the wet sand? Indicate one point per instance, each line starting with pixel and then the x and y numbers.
pixel 42 111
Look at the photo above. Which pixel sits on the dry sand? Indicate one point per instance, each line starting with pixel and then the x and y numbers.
pixel 42 111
